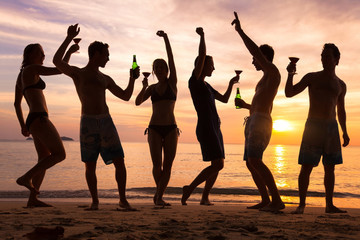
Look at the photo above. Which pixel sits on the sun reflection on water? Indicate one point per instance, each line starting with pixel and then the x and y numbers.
pixel 280 166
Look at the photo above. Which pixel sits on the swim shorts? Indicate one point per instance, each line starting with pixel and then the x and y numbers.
pixel 98 135
pixel 211 142
pixel 257 135
pixel 320 138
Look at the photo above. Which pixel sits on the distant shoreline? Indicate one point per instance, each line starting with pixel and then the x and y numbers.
pixel 62 138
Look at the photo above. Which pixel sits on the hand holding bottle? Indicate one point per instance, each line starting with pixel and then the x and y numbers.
pixel 239 103
pixel 135 73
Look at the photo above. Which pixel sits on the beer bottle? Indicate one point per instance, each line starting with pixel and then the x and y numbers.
pixel 134 64
pixel 238 96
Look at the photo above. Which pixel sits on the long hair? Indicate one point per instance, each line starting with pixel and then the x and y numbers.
pixel 161 61
pixel 29 49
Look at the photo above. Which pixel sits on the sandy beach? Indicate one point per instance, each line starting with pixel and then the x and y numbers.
pixel 175 222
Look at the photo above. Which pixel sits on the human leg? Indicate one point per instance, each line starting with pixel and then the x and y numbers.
pixel 37 180
pixel 209 183
pixel 303 182
pixel 91 180
pixel 170 145
pixel 43 129
pixel 267 177
pixel 205 174
pixel 155 146
pixel 265 200
pixel 329 182
pixel 120 176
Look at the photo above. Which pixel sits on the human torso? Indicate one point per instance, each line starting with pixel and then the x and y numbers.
pixel 265 92
pixel 163 98
pixel 203 96
pixel 32 87
pixel 91 87
pixel 324 91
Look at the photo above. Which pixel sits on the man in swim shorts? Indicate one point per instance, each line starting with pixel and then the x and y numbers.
pixel 321 134
pixel 259 125
pixel 97 130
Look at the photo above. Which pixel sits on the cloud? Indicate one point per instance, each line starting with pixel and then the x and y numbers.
pixel 292 27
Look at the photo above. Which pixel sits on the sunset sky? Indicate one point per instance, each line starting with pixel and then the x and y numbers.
pixel 293 27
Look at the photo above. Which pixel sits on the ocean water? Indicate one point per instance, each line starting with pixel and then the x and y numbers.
pixel 66 180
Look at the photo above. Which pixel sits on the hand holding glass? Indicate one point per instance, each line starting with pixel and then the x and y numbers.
pixel 293 60
pixel 76 41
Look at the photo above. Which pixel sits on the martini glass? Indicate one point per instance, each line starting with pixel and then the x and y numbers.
pixel 76 41
pixel 293 60
pixel 146 74
pixel 238 72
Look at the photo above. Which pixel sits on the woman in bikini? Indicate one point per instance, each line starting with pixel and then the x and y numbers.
pixel 162 131
pixel 47 141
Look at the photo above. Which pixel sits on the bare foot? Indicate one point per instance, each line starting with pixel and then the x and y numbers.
pixel 37 203
pixel 28 184
pixel 299 210
pixel 93 207
pixel 125 206
pixel 259 205
pixel 186 195
pixel 161 202
pixel 333 209
pixel 206 202
pixel 273 207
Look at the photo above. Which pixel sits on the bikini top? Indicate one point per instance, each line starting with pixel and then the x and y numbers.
pixel 168 95
pixel 39 85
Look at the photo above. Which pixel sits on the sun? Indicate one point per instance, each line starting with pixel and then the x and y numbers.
pixel 282 125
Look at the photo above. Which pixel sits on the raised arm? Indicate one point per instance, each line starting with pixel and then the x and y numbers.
pixel 172 76
pixel 225 97
pixel 342 114
pixel 202 54
pixel 251 46
pixel 18 109
pixel 291 89
pixel 58 60
pixel 118 91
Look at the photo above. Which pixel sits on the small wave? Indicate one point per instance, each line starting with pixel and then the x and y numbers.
pixel 147 192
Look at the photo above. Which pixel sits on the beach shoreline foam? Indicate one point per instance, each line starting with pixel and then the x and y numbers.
pixel 221 221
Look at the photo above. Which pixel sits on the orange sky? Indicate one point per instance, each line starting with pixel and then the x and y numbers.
pixel 294 28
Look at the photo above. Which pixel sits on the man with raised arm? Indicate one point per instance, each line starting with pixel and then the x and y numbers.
pixel 259 125
pixel 321 134
pixel 97 130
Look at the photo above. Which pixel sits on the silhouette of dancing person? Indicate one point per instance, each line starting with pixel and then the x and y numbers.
pixel 97 130
pixel 48 144
pixel 321 135
pixel 259 125
pixel 162 129
pixel 208 125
